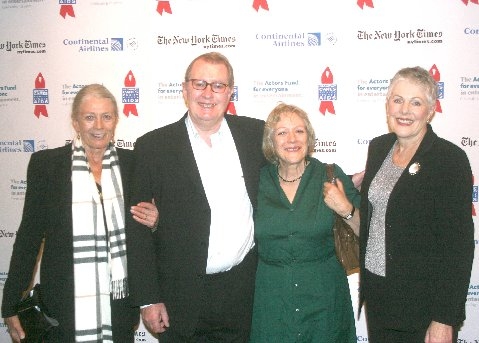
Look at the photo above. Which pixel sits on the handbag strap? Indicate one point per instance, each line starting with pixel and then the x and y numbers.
pixel 330 171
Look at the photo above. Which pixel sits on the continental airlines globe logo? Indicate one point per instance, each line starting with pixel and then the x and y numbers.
pixel 104 44
pixel 297 39
pixel 22 145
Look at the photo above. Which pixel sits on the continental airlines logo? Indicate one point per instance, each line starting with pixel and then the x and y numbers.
pixel 295 39
pixel 22 145
pixel 95 45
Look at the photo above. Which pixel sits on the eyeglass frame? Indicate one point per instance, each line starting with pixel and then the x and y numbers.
pixel 208 84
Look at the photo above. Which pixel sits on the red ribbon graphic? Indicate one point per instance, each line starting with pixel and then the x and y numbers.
pixel 260 3
pixel 163 6
pixel 40 109
pixel 436 75
pixel 368 3
pixel 130 108
pixel 327 79
pixel 67 10
pixel 130 82
pixel 471 1
pixel 231 108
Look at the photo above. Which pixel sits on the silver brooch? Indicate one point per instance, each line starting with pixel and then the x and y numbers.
pixel 414 168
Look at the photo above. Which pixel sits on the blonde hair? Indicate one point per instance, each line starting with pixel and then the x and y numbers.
pixel 96 90
pixel 273 118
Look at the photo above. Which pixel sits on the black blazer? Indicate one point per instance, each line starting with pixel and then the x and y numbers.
pixel 168 266
pixel 429 234
pixel 47 213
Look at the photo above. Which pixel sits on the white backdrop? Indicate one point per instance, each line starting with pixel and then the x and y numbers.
pixel 293 51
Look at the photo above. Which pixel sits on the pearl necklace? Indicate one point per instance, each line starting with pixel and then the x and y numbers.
pixel 294 180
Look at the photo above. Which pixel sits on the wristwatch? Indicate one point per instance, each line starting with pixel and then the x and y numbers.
pixel 351 214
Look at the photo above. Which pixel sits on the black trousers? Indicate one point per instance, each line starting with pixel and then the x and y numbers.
pixel 381 334
pixel 382 330
pixel 227 306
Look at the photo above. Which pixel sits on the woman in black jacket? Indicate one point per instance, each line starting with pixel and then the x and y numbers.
pixel 416 229
pixel 76 203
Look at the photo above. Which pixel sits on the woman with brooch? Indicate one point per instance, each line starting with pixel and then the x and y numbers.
pixel 416 229
pixel 302 292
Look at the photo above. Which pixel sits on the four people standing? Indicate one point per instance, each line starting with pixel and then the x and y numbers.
pixel 416 230
pixel 194 276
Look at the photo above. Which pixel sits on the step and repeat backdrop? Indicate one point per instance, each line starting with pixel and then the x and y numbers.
pixel 334 59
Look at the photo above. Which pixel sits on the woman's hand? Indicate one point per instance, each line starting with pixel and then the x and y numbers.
pixel 335 198
pixel 15 328
pixel 146 213
pixel 357 179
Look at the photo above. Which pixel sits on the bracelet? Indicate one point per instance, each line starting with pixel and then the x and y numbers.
pixel 351 214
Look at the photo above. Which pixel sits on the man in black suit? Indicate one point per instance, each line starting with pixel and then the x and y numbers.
pixel 194 276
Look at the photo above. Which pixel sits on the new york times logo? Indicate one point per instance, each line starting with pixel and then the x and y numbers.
pixel 6 233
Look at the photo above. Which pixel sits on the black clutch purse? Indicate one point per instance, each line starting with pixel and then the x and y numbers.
pixel 33 317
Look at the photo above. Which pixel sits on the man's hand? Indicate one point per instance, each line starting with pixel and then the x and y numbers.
pixel 155 317
pixel 438 333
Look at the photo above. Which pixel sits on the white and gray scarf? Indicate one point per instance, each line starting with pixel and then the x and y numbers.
pixel 99 253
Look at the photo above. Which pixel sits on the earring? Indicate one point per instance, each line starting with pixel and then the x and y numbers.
pixel 78 135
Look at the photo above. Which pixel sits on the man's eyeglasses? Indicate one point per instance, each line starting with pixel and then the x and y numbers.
pixel 200 85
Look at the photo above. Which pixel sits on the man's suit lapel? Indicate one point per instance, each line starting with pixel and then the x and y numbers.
pixel 186 158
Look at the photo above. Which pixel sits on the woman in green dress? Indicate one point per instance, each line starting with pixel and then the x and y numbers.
pixel 302 292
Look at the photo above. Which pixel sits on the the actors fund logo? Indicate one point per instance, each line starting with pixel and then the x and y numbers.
pixel 66 8
pixel 436 75
pixel 163 6
pixel 327 92
pixel 234 97
pixel 40 97
pixel 260 3
pixel 130 95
